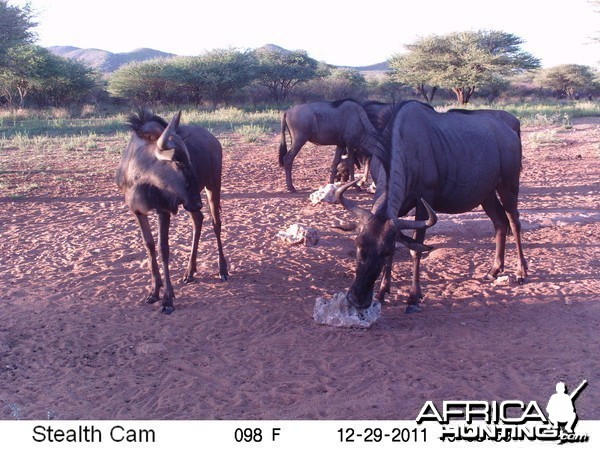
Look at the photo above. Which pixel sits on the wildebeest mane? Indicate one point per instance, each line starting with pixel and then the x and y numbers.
pixel 461 111
pixel 338 103
pixel 146 125
pixel 372 113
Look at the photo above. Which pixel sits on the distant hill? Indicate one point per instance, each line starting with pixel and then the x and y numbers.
pixel 104 61
pixel 273 48
pixel 382 66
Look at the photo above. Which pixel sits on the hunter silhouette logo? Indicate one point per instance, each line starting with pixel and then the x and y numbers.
pixel 561 407
pixel 509 420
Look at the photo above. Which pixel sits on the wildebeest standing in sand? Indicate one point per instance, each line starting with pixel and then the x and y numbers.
pixel 455 162
pixel 343 123
pixel 164 166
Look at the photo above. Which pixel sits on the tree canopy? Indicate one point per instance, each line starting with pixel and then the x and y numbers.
pixel 568 80
pixel 281 71
pixel 32 71
pixel 461 61
pixel 15 28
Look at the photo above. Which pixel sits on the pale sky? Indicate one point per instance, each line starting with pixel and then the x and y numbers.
pixel 345 32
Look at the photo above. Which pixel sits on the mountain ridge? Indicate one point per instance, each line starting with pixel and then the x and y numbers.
pixel 107 62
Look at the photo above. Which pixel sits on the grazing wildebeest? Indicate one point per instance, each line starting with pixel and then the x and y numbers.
pixel 343 123
pixel 455 162
pixel 164 166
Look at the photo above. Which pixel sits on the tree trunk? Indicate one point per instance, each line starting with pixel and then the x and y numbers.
pixel 460 95
pixel 433 91
pixel 463 94
pixel 469 92
pixel 423 91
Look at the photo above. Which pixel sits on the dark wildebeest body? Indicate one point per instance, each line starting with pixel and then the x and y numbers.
pixel 342 123
pixel 506 117
pixel 455 162
pixel 165 166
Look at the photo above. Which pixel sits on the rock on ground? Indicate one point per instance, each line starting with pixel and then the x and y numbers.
pixel 338 312
pixel 299 234
pixel 323 194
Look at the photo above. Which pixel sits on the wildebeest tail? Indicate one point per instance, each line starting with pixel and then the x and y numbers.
pixel 282 145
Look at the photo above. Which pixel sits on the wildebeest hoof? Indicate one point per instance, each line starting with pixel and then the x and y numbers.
pixel 411 309
pixel 489 277
pixel 521 280
pixel 224 277
pixel 151 299
pixel 188 278
pixel 167 309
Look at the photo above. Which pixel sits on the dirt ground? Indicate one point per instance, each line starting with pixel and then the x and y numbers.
pixel 77 341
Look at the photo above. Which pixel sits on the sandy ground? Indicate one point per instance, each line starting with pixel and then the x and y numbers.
pixel 77 342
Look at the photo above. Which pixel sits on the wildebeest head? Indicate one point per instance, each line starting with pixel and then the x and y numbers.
pixel 375 243
pixel 167 178
pixel 171 147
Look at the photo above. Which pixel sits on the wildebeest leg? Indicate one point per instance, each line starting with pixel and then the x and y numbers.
pixel 288 160
pixel 164 220
pixel 386 279
pixel 495 212
pixel 351 157
pixel 509 198
pixel 415 295
pixel 337 157
pixel 142 221
pixel 214 203
pixel 197 219
pixel 365 177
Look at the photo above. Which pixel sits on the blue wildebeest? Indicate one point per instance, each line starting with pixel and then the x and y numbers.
pixel 164 166
pixel 342 123
pixel 455 162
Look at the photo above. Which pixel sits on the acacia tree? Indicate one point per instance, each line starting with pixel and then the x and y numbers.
pixel 33 71
pixel 15 28
pixel 143 82
pixel 415 67
pixel 568 79
pixel 281 71
pixel 225 72
pixel 188 73
pixel 64 81
pixel 338 83
pixel 462 61
pixel 22 72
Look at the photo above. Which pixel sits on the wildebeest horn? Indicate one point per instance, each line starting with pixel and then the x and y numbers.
pixel 166 146
pixel 402 224
pixel 362 214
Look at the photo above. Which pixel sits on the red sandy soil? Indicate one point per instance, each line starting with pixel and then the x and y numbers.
pixel 77 341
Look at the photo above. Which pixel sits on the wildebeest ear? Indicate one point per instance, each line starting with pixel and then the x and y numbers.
pixel 411 243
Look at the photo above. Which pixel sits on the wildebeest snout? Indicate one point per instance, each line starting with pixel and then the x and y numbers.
pixel 193 202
